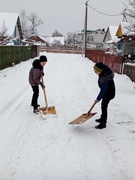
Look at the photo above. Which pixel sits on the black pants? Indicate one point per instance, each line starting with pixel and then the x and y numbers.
pixel 104 106
pixel 34 101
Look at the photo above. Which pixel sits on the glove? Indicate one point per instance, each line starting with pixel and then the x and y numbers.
pixel 42 85
pixel 96 101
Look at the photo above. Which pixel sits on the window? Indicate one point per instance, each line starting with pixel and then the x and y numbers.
pixel 90 38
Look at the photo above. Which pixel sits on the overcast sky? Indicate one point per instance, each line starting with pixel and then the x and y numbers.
pixel 68 15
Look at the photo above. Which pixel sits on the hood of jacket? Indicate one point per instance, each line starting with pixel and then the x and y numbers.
pixel 36 65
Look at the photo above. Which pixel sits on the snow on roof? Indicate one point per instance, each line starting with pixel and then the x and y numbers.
pixel 113 30
pixel 50 40
pixel 9 20
pixel 114 38
pixel 113 41
pixel 127 28
pixel 41 37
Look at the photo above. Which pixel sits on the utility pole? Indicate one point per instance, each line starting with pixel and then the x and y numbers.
pixel 85 30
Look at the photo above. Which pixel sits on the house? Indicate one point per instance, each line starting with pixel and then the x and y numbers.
pixel 126 34
pixel 124 28
pixel 110 39
pixel 94 38
pixel 10 28
pixel 120 40
pixel 35 40
pixel 110 35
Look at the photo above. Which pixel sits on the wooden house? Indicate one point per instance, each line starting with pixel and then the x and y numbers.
pixel 36 39
pixel 10 28
pixel 127 40
pixel 110 38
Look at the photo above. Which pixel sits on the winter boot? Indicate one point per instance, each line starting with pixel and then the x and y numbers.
pixel 36 111
pixel 101 126
pixel 99 120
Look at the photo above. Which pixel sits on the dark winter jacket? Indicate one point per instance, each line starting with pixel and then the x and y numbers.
pixel 35 74
pixel 106 84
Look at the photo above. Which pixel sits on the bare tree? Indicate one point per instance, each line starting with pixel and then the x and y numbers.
pixel 29 23
pixel 35 21
pixel 130 14
pixel 71 38
pixel 3 33
pixel 56 33
pixel 24 19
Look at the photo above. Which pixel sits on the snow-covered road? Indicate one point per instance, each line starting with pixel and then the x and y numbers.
pixel 33 148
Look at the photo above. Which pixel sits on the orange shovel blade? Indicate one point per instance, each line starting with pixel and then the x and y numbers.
pixel 49 110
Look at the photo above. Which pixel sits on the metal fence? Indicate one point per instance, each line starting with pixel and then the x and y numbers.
pixel 111 60
pixel 115 62
pixel 129 70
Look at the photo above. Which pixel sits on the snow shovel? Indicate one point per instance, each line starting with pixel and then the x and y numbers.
pixel 47 110
pixel 84 117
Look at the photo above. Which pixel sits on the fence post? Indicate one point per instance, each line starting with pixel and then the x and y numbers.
pixel 34 51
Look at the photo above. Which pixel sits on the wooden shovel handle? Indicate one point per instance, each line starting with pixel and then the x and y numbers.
pixel 88 113
pixel 92 107
pixel 45 94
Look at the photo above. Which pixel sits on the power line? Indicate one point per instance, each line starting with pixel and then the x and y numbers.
pixel 103 12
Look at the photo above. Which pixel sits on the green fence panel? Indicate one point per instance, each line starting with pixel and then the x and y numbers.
pixel 14 54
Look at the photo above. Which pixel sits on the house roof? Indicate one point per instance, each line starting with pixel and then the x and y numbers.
pixel 9 20
pixel 111 31
pixel 91 31
pixel 125 28
pixel 36 38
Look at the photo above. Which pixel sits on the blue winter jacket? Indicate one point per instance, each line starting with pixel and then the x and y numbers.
pixel 106 84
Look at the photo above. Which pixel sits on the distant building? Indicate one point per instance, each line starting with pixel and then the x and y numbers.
pixel 124 28
pixel 110 35
pixel 120 40
pixel 127 40
pixel 94 39
pixel 35 40
pixel 110 38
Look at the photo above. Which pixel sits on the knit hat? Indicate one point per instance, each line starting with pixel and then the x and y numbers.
pixel 43 59
pixel 99 67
